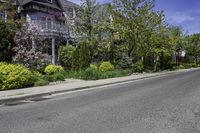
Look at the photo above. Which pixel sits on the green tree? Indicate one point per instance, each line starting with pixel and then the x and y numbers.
pixel 7 33
pixel 143 30
pixel 84 55
pixel 87 13
pixel 75 60
pixel 193 46
pixel 65 56
pixel 9 8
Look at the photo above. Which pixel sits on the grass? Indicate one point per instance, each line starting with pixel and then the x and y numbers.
pixel 101 75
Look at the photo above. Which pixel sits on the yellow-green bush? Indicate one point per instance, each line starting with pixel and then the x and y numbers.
pixel 15 76
pixel 106 66
pixel 52 69
pixel 93 66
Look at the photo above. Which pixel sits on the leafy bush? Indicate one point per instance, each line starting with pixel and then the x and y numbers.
pixel 65 56
pixel 106 66
pixel 116 73
pixel 74 74
pixel 55 77
pixel 109 74
pixel 81 57
pixel 94 74
pixel 93 66
pixel 84 55
pixel 124 63
pixel 138 67
pixel 59 77
pixel 185 66
pixel 75 60
pixel 41 82
pixel 2 78
pixel 7 33
pixel 179 67
pixel 52 69
pixel 194 65
pixel 91 74
pixel 15 76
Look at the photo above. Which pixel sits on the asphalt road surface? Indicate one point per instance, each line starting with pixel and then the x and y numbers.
pixel 168 104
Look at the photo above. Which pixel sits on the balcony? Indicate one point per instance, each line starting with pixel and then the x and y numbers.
pixel 50 28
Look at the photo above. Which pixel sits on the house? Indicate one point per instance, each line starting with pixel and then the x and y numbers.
pixel 51 18
pixel 55 19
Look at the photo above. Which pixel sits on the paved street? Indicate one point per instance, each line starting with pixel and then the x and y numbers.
pixel 168 104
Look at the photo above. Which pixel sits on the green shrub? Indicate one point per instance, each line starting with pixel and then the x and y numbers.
pixel 75 74
pixel 124 63
pixel 41 82
pixel 52 69
pixel 179 67
pixel 109 74
pixel 15 76
pixel 2 78
pixel 94 66
pixel 75 60
pixel 65 56
pixel 116 73
pixel 91 74
pixel 106 66
pixel 49 78
pixel 7 33
pixel 59 77
pixel 55 77
pixel 138 67
pixel 193 65
pixel 81 57
pixel 84 55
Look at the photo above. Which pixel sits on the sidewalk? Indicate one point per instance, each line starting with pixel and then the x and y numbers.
pixel 72 85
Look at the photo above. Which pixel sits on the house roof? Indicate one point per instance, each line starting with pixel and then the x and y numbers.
pixel 66 3
pixel 24 2
pixel 62 3
pixel 47 4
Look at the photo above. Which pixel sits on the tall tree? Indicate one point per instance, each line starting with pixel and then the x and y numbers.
pixel 142 28
pixel 130 17
pixel 7 33
pixel 8 28
pixel 9 9
pixel 87 13
pixel 193 47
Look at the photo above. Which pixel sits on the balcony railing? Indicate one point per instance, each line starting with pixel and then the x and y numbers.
pixel 50 28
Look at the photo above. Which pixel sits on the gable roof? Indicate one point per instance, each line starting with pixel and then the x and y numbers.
pixel 24 2
pixel 66 3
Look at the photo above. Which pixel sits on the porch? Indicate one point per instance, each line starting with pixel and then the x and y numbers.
pixel 51 30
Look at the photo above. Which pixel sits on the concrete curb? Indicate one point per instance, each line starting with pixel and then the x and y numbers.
pixel 32 96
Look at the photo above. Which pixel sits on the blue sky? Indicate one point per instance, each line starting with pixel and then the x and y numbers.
pixel 185 13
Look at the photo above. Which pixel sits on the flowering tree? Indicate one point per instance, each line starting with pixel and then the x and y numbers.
pixel 26 53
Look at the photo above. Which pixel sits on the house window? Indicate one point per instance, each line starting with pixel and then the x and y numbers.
pixel 49 23
pixel 33 17
pixel 43 22
pixel 46 23
pixel 1 14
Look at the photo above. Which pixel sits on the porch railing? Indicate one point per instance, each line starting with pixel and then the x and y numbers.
pixel 50 28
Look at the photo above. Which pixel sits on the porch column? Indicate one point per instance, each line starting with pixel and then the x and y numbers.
pixel 74 13
pixel 33 43
pixel 6 15
pixel 67 42
pixel 53 51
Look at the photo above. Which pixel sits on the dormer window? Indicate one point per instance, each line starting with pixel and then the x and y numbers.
pixel 50 1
